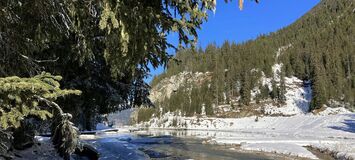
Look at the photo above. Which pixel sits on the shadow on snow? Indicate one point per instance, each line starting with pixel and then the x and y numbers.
pixel 348 124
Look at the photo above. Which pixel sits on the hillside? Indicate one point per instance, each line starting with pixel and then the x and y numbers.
pixel 306 66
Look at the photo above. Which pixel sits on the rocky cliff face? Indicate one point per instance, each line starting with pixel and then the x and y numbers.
pixel 167 86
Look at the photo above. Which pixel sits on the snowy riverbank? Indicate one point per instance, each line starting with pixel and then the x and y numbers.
pixel 284 135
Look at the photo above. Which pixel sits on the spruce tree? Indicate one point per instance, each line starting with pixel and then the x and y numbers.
pixel 318 83
pixel 245 91
pixel 282 88
pixel 274 91
pixel 264 92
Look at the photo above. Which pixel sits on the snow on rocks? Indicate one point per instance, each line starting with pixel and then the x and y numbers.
pixel 344 150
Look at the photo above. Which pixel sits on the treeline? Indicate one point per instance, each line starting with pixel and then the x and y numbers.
pixel 320 48
pixel 189 101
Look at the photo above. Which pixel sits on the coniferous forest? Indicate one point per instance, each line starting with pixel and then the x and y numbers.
pixel 319 47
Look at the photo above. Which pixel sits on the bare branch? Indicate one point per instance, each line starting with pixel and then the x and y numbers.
pixel 39 61
pixel 51 104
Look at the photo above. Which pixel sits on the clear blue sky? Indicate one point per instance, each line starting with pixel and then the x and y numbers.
pixel 229 23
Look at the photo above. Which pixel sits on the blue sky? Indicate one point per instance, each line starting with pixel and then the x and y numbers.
pixel 229 23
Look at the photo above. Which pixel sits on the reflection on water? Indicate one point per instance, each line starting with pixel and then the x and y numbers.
pixel 168 145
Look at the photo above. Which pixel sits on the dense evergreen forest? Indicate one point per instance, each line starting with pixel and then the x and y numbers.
pixel 319 47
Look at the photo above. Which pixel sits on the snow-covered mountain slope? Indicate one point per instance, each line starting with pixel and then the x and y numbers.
pixel 298 93
pixel 298 97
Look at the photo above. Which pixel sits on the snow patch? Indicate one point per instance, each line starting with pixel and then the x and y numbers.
pixel 276 70
pixel 298 93
pixel 102 126
pixel 333 111
pixel 42 139
pixel 256 91
pixel 280 148
pixel 266 81
pixel 298 97
pixel 282 49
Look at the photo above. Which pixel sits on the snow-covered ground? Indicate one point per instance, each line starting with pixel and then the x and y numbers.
pixel 284 135
pixel 288 135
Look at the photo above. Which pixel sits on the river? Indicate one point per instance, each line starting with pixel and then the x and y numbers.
pixel 168 145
